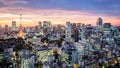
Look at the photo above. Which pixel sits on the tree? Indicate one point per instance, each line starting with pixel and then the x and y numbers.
pixel 20 44
pixel 45 39
pixel 1 49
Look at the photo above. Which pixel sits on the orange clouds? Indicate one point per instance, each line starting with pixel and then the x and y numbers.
pixel 56 16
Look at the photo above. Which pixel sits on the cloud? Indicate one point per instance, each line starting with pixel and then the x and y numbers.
pixel 13 2
pixel 56 16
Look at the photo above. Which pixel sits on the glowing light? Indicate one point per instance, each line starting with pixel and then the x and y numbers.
pixel 21 33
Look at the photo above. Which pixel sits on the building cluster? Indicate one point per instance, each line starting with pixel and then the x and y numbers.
pixel 74 45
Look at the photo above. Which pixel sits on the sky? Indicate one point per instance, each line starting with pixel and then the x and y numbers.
pixel 59 11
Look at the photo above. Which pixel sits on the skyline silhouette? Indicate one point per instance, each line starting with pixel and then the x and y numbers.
pixel 59 12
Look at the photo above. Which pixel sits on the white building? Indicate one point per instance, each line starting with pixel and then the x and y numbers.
pixel 68 32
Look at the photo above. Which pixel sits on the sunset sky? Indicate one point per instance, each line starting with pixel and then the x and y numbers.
pixel 59 11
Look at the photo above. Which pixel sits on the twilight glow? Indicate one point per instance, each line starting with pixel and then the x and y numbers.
pixel 58 12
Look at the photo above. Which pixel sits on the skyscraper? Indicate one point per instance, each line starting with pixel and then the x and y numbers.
pixel 83 28
pixel 45 24
pixel 39 24
pixel 76 34
pixel 49 23
pixel 99 21
pixel 99 24
pixel 13 25
pixel 6 28
pixel 107 25
pixel 68 32
pixel 79 25
pixel 107 29
pixel 68 24
pixel 1 32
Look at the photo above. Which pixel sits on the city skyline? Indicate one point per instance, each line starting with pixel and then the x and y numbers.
pixel 59 12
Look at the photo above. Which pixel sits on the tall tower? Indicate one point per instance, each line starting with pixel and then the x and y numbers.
pixel 21 27
pixel 20 32
pixel 20 18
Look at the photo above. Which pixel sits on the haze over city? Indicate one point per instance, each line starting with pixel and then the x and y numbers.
pixel 58 12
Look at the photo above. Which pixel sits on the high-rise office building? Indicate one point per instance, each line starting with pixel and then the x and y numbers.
pixel 68 32
pixel 1 32
pixel 107 29
pixel 68 24
pixel 14 25
pixel 75 58
pixel 39 24
pixel 46 24
pixel 107 25
pixel 74 25
pixel 49 23
pixel 99 21
pixel 79 24
pixel 76 32
pixel 46 27
pixel 79 34
pixel 99 24
pixel 76 37
pixel 6 28
pixel 83 28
